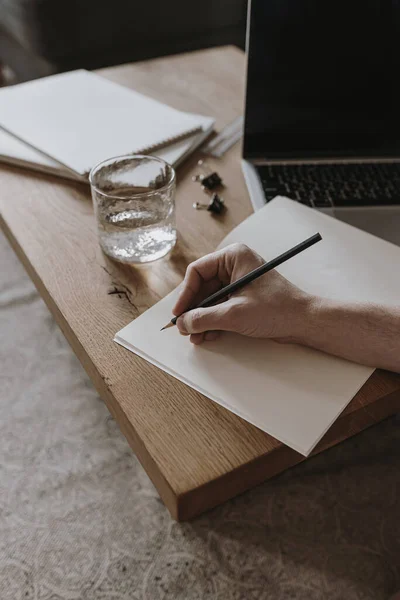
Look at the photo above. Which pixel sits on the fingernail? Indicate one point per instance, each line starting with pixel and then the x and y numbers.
pixel 181 325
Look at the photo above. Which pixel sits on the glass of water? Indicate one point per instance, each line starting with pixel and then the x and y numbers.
pixel 134 204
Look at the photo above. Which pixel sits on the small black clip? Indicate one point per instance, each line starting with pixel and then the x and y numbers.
pixel 210 180
pixel 216 205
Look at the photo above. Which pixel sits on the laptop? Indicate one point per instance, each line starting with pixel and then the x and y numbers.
pixel 322 118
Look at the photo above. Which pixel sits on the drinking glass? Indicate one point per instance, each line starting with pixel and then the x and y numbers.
pixel 134 204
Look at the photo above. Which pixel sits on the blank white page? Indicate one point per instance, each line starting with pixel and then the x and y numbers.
pixel 291 392
pixel 80 119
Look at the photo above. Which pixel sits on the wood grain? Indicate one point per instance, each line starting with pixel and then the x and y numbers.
pixel 196 453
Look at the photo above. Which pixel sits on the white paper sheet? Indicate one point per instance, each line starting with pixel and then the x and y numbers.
pixel 291 392
pixel 79 119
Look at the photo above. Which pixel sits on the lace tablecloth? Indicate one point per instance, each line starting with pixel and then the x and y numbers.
pixel 79 519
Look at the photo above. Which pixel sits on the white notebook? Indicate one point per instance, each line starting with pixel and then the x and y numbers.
pixel 16 153
pixel 78 119
pixel 291 392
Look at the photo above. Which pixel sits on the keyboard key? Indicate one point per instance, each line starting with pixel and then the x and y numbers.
pixel 306 202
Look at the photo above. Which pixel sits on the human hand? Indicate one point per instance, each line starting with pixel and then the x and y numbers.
pixel 269 307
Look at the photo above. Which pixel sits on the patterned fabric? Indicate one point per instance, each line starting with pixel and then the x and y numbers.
pixel 79 519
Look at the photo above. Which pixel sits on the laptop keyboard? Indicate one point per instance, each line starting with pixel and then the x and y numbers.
pixel 326 185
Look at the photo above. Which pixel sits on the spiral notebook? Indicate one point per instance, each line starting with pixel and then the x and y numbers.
pixel 14 152
pixel 79 118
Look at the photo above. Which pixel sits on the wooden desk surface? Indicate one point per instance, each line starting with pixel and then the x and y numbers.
pixel 196 453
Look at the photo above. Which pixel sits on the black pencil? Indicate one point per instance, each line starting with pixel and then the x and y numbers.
pixel 268 266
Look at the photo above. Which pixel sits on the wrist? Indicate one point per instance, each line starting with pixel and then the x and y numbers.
pixel 309 309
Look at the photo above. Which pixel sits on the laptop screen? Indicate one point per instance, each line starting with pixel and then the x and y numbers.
pixel 323 79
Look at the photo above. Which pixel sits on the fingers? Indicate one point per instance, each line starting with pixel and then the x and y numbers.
pixel 197 338
pixel 208 274
pixel 203 277
pixel 221 317
pixel 208 336
pixel 211 336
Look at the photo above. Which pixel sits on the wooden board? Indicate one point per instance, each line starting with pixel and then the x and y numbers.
pixel 196 453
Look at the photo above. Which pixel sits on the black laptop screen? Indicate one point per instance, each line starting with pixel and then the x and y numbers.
pixel 323 79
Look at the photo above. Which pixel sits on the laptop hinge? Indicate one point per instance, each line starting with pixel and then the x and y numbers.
pixel 335 160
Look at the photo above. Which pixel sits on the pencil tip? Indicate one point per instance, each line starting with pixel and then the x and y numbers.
pixel 170 324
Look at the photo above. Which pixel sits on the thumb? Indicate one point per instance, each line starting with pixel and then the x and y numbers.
pixel 198 320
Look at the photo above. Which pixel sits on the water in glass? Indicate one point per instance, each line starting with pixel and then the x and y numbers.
pixel 136 223
pixel 137 231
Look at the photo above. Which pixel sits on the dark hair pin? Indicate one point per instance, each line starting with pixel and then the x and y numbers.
pixel 210 180
pixel 216 205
